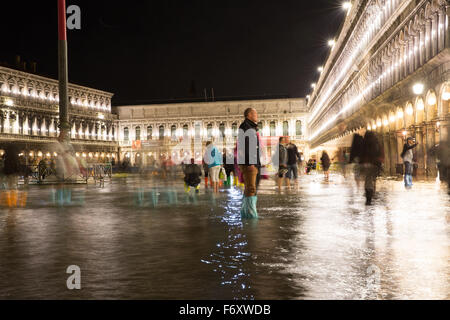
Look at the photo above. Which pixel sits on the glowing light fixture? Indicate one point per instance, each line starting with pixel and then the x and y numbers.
pixel 331 43
pixel 9 102
pixel 418 88
pixel 347 5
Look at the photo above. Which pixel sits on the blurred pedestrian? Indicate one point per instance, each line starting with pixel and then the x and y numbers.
pixel 282 160
pixel 371 162
pixel 11 171
pixel 355 157
pixel 293 160
pixel 326 163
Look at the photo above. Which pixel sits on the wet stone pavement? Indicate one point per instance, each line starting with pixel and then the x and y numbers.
pixel 135 240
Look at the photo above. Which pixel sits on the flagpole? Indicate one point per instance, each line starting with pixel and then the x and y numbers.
pixel 64 125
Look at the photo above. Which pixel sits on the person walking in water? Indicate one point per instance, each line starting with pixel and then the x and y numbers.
pixel 293 159
pixel 371 161
pixel 282 164
pixel 408 156
pixel 214 160
pixel 326 163
pixel 249 161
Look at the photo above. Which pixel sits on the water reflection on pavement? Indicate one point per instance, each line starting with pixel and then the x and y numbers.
pixel 138 240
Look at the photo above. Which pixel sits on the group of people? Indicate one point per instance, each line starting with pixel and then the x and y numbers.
pixel 288 159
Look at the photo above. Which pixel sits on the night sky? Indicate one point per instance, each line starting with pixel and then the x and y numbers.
pixel 148 51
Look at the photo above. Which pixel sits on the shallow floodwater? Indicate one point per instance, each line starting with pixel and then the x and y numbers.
pixel 133 240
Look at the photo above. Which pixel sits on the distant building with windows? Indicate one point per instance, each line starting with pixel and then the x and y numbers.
pixel 29 117
pixel 158 130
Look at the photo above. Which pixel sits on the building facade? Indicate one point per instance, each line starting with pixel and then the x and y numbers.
pixel 29 117
pixel 388 71
pixel 164 130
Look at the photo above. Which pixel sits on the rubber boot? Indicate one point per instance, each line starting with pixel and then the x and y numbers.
pixel 187 189
pixel 248 210
pixel 228 184
pixel 206 182
pixel 369 196
pixel 236 181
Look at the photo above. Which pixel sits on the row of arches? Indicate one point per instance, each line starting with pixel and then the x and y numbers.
pixel 268 128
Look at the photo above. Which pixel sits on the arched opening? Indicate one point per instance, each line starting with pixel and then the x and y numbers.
pixel 209 131
pixel 298 128
pixel 198 131
pixel 185 131
pixel 273 129
pixel 445 96
pixel 161 133
pixel 138 134
pixel 400 123
pixel 149 133
pixel 409 114
pixel 286 128
pixel 222 130
pixel 431 106
pixel 173 132
pixel 420 111
pixel 234 128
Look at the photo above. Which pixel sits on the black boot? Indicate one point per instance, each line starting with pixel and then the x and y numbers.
pixel 369 196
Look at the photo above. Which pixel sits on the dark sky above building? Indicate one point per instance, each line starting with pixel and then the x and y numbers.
pixel 145 51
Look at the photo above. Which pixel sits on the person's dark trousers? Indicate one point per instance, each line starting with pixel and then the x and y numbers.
pixel 292 172
pixel 408 175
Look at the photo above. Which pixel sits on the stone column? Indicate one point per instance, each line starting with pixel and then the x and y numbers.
pixel 446 25
pixel 387 154
pixel 430 140
pixel 428 45
pixel 393 152
pixel 420 152
pixel 400 144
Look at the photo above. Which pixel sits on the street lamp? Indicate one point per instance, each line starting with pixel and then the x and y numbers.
pixel 331 43
pixel 418 88
pixel 313 85
pixel 9 102
pixel 347 5
pixel 320 69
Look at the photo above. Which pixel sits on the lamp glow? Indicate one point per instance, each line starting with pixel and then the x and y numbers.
pixel 418 88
